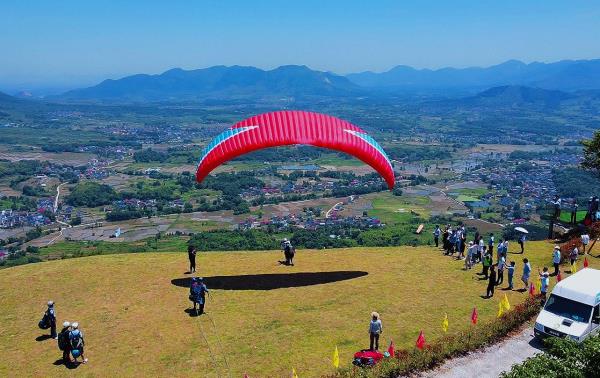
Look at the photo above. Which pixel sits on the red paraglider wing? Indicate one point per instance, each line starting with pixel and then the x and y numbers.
pixel 294 127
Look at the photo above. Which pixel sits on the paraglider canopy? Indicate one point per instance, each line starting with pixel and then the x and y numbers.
pixel 284 128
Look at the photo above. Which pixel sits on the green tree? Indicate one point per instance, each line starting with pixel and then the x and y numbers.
pixel 591 153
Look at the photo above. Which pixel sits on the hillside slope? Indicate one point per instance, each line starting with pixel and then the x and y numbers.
pixel 132 310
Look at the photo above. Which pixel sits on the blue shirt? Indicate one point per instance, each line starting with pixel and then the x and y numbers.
pixel 375 326
pixel 526 269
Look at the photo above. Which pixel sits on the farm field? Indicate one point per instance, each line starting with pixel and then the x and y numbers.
pixel 267 318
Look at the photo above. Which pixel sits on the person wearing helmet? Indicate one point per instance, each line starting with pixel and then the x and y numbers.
pixel 76 343
pixel 50 316
pixel 288 252
pixel 63 342
pixel 198 291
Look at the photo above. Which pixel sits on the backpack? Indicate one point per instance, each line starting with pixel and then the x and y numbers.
pixel 366 358
pixel 63 338
pixel 45 322
pixel 76 341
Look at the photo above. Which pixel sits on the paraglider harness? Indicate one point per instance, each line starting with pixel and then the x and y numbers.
pixel 45 322
pixel 197 292
pixel 367 358
pixel 76 343
pixel 63 340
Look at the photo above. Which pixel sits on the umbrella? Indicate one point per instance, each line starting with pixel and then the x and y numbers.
pixel 521 229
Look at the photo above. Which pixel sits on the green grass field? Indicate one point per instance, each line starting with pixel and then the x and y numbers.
pixel 395 210
pixel 565 215
pixel 135 322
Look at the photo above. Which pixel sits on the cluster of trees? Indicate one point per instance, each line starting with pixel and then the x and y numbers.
pixel 575 183
pixel 25 168
pixel 91 194
pixel 149 155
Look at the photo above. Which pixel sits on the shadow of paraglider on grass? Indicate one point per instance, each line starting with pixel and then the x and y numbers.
pixel 271 281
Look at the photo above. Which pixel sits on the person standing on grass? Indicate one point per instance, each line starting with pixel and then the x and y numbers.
pixel 522 240
pixel 556 260
pixel 501 266
pixel 574 255
pixel 445 237
pixel 545 282
pixel 198 291
pixel 50 315
pixel 557 205
pixel 192 258
pixel 574 212
pixel 375 329
pixel 481 247
pixel 436 236
pixel 491 245
pixel 511 274
pixel 457 241
pixel 77 343
pixel 585 240
pixel 491 282
pixel 63 343
pixel 469 259
pixel 526 274
pixel 487 263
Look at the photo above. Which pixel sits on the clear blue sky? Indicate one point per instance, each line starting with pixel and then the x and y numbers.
pixel 79 42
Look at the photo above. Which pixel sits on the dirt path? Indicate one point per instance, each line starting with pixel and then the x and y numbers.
pixel 491 361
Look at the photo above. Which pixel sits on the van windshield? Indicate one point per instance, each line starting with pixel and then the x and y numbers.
pixel 569 309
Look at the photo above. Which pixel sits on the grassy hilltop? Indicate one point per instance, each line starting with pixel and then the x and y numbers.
pixel 131 309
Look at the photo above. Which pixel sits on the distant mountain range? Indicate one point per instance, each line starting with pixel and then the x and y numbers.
pixel 217 82
pixel 563 75
pixel 240 82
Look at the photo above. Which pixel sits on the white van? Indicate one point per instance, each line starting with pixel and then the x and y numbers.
pixel 573 308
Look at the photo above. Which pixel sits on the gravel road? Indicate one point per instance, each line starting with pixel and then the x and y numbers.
pixel 491 361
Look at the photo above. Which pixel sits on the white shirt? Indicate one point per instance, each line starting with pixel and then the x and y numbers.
pixel 585 239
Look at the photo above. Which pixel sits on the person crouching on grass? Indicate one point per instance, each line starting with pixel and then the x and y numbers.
pixel 375 329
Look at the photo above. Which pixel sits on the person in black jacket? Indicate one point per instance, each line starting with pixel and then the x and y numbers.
pixel 491 282
pixel 50 315
pixel 64 344
pixel 192 257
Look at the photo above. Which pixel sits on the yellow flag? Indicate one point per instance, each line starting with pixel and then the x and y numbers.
pixel 538 285
pixel 445 323
pixel 500 309
pixel 294 375
pixel 574 268
pixel 336 358
pixel 505 303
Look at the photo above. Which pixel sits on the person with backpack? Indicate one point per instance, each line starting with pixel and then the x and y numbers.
pixel 288 252
pixel 198 291
pixel 375 329
pixel 192 258
pixel 77 343
pixel 63 342
pixel 50 319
